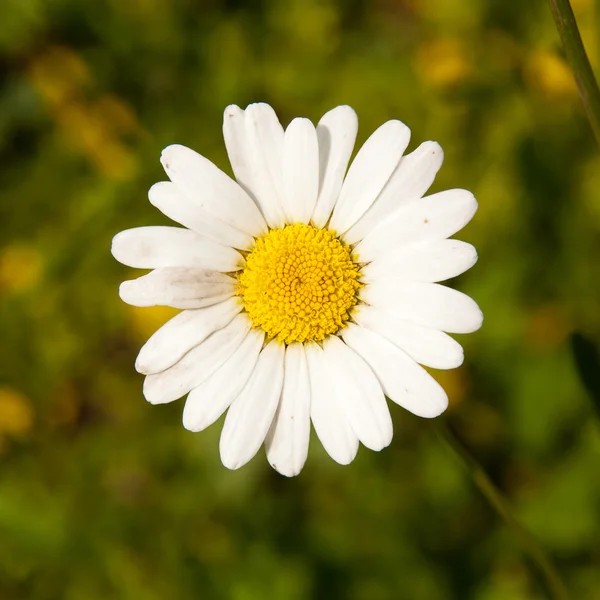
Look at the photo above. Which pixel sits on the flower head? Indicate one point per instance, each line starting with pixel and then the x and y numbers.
pixel 309 293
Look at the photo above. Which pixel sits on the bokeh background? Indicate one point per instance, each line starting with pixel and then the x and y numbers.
pixel 104 496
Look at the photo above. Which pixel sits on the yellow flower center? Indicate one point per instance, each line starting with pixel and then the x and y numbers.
pixel 299 283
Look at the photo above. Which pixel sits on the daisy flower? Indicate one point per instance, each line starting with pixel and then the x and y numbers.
pixel 309 289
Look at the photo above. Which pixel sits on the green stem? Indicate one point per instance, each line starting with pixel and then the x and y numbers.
pixel 493 495
pixel 584 76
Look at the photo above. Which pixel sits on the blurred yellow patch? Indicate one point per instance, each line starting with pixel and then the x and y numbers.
pixel 21 267
pixel 547 327
pixel 550 75
pixel 89 131
pixel 56 72
pixel 16 413
pixel 111 109
pixel 145 321
pixel 443 62
pixel 94 126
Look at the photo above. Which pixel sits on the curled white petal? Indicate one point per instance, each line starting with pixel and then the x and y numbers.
pixel 432 261
pixel 300 171
pixel 208 401
pixel 178 287
pixel 429 347
pixel 173 203
pixel 288 437
pixel 184 331
pixel 411 179
pixel 332 427
pixel 359 394
pixel 428 304
pixel 236 142
pixel 197 365
pixel 402 379
pixel 434 217
pixel 154 247
pixel 264 141
pixel 368 173
pixel 211 189
pixel 336 133
pixel 251 413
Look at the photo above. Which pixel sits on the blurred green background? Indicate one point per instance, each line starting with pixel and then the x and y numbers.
pixel 104 496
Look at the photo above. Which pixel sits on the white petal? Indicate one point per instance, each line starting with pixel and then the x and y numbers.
pixel 197 365
pixel 429 347
pixel 265 141
pixel 428 304
pixel 359 394
pixel 175 205
pixel 330 423
pixel 336 133
pixel 236 142
pixel 432 261
pixel 178 287
pixel 368 173
pixel 288 437
pixel 411 179
pixel 300 171
pixel 402 379
pixel 213 191
pixel 153 247
pixel 434 217
pixel 179 335
pixel 207 402
pixel 251 414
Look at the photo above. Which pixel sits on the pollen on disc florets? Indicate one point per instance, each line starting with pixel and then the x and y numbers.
pixel 299 283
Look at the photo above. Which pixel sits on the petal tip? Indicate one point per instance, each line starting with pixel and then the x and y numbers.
pixel 171 153
pixel 286 470
pixel 189 423
pixel 155 190
pixel 342 114
pixel 233 463
pixel 401 131
pixel 432 147
pixel 233 110
pixel 142 367
pixel 434 409
pixel 470 200
pixel 259 106
pixel 344 461
pixel 170 150
pixel 125 290
pixel 346 108
pixel 115 245
pixel 148 395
